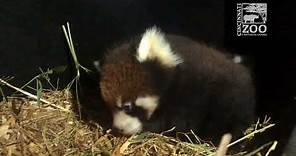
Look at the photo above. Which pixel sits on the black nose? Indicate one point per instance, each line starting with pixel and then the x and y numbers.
pixel 116 131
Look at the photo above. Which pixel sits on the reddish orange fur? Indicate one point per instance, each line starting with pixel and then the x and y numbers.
pixel 124 79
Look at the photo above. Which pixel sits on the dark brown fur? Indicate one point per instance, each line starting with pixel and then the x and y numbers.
pixel 209 92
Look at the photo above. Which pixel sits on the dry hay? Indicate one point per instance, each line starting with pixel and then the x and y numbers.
pixel 29 128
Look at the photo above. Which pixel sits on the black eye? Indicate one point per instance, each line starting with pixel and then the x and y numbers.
pixel 127 107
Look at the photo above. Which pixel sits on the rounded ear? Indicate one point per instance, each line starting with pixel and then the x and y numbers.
pixel 154 46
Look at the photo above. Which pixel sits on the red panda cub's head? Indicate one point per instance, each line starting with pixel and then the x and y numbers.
pixel 131 79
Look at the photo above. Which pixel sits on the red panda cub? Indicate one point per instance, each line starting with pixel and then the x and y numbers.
pixel 157 81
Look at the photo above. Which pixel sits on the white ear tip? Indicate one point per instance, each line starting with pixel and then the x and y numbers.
pixel 237 59
pixel 154 46
pixel 97 65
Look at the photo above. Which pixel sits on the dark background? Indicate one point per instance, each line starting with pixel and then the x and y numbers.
pixel 31 37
